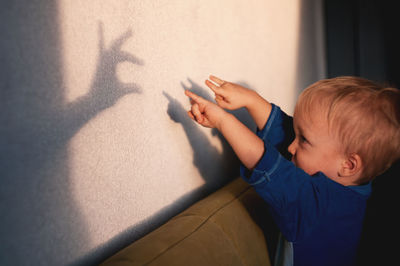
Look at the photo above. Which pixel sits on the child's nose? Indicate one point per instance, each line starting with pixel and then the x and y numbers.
pixel 292 147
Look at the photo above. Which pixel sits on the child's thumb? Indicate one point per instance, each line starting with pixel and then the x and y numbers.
pixel 221 102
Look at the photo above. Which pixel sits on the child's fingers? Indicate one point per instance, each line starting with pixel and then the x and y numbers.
pixel 191 115
pixel 219 97
pixel 214 87
pixel 217 80
pixel 196 112
pixel 221 101
pixel 204 122
pixel 194 97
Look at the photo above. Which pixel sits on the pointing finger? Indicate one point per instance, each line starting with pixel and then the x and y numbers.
pixel 194 97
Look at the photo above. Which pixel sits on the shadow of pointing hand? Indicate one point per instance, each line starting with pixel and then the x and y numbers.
pixel 214 166
pixel 176 111
pixel 106 89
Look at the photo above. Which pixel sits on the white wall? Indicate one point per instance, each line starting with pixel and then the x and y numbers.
pixel 96 149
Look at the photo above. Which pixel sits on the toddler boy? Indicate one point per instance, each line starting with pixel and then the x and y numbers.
pixel 344 132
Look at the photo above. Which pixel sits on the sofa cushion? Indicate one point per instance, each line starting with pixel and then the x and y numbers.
pixel 222 229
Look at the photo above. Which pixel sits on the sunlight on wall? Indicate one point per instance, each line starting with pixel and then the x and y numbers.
pixel 131 160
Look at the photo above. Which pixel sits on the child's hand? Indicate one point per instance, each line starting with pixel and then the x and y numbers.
pixel 229 95
pixel 204 112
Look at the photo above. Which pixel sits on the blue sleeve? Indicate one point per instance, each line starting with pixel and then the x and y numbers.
pixel 293 196
pixel 278 130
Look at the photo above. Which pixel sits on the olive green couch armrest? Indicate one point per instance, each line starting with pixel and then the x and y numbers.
pixel 222 229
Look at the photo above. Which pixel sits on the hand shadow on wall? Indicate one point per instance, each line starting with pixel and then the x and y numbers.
pixel 42 222
pixel 216 168
pixel 106 89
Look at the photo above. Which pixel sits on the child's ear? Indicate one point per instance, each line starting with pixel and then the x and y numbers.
pixel 351 166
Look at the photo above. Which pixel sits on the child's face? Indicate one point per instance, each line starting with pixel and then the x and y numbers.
pixel 314 149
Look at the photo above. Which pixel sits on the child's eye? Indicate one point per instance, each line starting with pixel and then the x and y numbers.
pixel 303 139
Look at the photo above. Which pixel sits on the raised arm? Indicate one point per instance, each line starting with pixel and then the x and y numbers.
pixel 248 146
pixel 232 96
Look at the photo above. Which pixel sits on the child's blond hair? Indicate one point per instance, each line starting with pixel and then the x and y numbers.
pixel 363 115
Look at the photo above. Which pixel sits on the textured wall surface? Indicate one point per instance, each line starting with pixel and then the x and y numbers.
pixel 96 149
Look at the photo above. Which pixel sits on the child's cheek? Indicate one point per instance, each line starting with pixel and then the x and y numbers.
pixel 303 162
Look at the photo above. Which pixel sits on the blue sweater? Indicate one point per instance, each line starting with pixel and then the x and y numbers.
pixel 320 220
